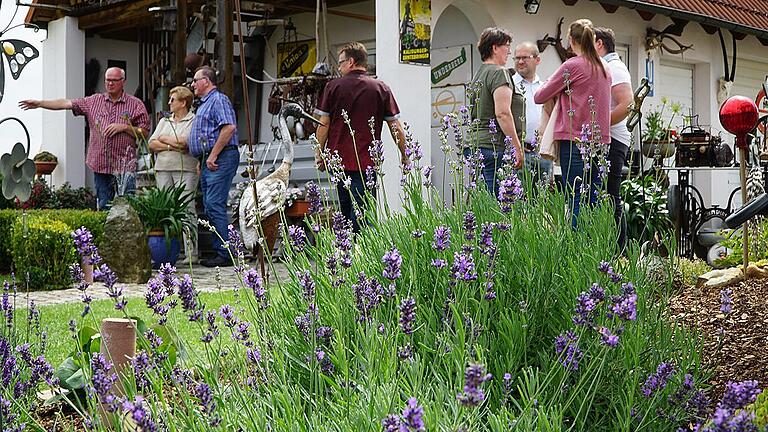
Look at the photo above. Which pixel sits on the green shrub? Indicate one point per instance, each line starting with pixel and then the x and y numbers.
pixel 42 197
pixel 75 198
pixel 691 269
pixel 74 219
pixel 645 209
pixel 43 243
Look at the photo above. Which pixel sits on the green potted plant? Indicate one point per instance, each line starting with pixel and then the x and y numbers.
pixel 658 133
pixel 163 211
pixel 45 163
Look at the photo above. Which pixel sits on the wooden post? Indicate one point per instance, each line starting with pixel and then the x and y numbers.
pixel 225 46
pixel 180 43
pixel 745 235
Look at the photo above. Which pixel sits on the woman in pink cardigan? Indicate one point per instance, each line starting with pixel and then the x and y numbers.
pixel 582 86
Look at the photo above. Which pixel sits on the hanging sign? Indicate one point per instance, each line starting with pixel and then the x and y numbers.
pixel 454 66
pixel 296 58
pixel 446 100
pixel 415 31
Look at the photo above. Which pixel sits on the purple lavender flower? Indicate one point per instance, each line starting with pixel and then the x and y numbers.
pixel 474 377
pixel 368 295
pixel 83 240
pixel 426 171
pixel 236 245
pixel 725 300
pixel 492 129
pixel 463 267
pixel 204 393
pixel 255 282
pixel 105 274
pixel 227 313
pixel 442 239
pixel 439 263
pixel 604 267
pixel 314 199
pixel 486 237
pixel 139 413
pixel 141 365
pixel 297 237
pixel 392 262
pixel 417 233
pixel 470 226
pixel 103 378
pixel 739 394
pixel 413 416
pixel 510 190
pixel 305 322
pixel 307 284
pixel 507 387
pixel 607 338
pixel 324 335
pixel 370 177
pixel 405 353
pixel 392 423
pixel 658 381
pixel 625 306
pixel 407 315
pixel 188 296
pixel 342 229
pixel 567 349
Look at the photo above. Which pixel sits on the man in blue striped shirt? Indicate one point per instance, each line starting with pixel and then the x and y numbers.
pixel 213 140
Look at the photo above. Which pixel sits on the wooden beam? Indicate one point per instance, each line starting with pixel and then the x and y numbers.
pixel 647 16
pixel 113 16
pixel 179 72
pixel 763 41
pixel 225 46
pixel 362 17
pixel 570 2
pixel 708 28
pixel 738 35
pixel 610 8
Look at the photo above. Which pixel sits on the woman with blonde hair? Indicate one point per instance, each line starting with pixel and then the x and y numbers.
pixel 582 88
pixel 173 163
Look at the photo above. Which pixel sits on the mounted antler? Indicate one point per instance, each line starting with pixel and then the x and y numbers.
pixel 725 83
pixel 656 40
pixel 556 42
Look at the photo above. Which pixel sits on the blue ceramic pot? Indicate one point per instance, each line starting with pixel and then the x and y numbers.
pixel 162 253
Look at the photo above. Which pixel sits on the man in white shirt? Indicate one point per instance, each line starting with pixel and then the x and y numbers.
pixel 526 81
pixel 621 98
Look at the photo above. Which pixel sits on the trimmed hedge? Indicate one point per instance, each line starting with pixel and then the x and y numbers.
pixel 74 219
pixel 43 247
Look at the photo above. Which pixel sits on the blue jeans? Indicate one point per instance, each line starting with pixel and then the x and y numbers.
pixel 357 188
pixel 107 185
pixel 537 166
pixel 215 188
pixel 573 172
pixel 492 161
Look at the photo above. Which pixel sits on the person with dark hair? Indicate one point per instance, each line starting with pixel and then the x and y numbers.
pixel 621 98
pixel 213 140
pixel 582 86
pixel 492 106
pixel 117 121
pixel 363 98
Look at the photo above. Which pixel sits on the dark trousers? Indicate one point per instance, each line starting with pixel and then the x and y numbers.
pixel 355 197
pixel 108 184
pixel 617 155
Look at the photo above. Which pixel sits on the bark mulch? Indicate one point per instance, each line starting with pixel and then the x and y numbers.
pixel 735 345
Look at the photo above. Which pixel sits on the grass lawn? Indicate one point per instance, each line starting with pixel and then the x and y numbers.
pixel 55 320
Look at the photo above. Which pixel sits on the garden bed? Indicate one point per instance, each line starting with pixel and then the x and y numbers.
pixel 733 343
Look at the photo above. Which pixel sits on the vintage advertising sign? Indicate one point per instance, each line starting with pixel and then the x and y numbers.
pixel 415 31
pixel 453 65
pixel 296 58
pixel 447 100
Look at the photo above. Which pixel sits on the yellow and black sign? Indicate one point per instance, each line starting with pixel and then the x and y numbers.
pixel 415 31
pixel 296 58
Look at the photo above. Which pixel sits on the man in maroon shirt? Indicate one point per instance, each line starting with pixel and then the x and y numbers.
pixel 363 99
pixel 116 120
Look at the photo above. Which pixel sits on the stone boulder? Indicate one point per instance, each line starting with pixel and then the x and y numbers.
pixel 125 246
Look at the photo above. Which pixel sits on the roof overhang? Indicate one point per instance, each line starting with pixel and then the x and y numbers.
pixel 692 15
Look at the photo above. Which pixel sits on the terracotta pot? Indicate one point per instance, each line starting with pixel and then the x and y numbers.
pixel 44 168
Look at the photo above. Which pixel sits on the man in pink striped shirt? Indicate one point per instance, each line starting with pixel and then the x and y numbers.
pixel 116 120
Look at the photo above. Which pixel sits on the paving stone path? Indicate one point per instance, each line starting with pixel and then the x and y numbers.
pixel 206 280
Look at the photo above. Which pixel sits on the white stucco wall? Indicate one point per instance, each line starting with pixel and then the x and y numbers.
pixel 28 86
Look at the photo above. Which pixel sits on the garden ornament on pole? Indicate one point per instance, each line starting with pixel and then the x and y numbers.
pixel 739 116
pixel 17 168
pixel 259 217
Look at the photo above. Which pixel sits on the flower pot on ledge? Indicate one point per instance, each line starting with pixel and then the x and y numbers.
pixel 298 209
pixel 666 149
pixel 44 168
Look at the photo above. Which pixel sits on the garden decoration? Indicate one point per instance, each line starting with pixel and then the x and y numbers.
pixel 17 169
pixel 259 217
pixel 45 163
pixel 557 42
pixel 739 116
pixel 725 83
pixel 17 53
pixel 635 113
pixel 657 40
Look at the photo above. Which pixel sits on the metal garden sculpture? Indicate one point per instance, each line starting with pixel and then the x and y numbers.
pixel 17 54
pixel 17 168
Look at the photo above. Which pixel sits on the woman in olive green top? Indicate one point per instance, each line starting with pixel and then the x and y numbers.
pixel 173 163
pixel 494 102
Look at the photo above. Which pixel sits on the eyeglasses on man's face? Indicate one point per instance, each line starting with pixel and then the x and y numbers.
pixel 194 80
pixel 113 80
pixel 525 58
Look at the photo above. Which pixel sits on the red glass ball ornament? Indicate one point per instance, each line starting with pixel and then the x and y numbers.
pixel 739 116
